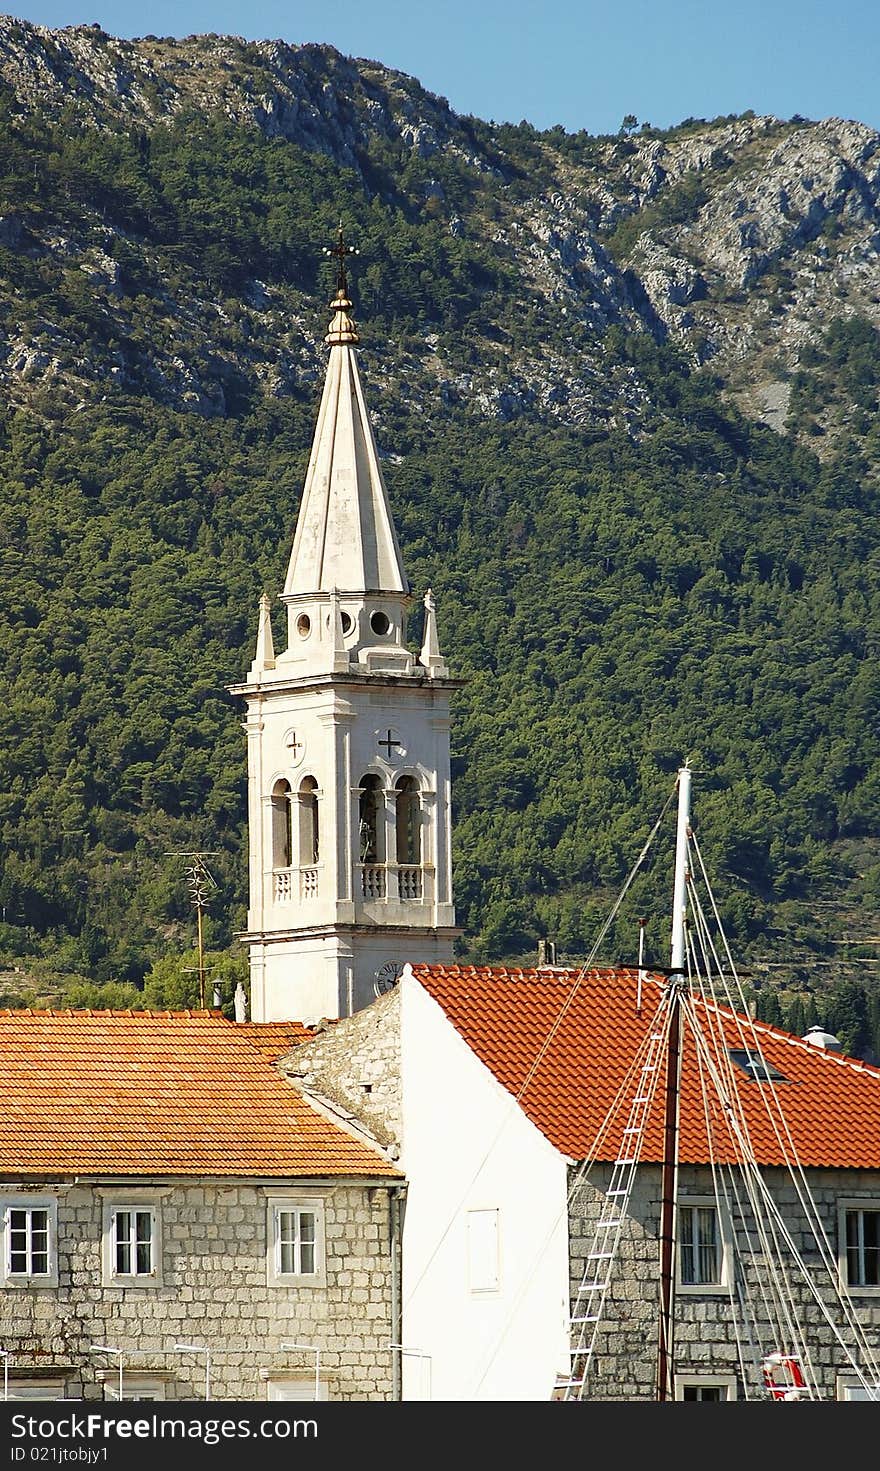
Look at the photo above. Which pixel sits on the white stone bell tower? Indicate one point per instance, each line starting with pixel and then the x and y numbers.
pixel 350 869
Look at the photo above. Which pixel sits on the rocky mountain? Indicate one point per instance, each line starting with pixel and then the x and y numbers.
pixel 620 382
pixel 739 239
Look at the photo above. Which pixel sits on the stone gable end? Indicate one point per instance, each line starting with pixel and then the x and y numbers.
pixel 355 1063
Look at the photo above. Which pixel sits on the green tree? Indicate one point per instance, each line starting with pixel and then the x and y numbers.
pixel 768 1007
pixel 172 983
pixel 847 1017
pixel 795 1017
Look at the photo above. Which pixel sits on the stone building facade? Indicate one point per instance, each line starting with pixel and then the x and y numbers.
pixel 356 1065
pixel 214 1284
pixel 474 1032
pixel 172 1206
pixel 712 1355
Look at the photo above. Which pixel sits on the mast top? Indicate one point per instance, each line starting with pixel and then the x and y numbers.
pixel 679 893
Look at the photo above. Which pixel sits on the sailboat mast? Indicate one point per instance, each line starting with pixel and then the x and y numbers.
pixel 665 1358
pixel 679 892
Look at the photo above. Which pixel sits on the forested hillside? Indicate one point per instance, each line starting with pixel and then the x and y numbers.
pixel 651 537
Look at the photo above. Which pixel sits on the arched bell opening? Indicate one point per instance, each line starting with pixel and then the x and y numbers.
pixel 309 832
pixel 408 831
pixel 371 837
pixel 282 825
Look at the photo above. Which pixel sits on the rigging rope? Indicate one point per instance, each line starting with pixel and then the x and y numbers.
pixel 725 1082
pixel 761 1302
pixel 567 1003
pixel 782 1132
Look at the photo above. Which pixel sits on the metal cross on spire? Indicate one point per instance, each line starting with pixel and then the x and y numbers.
pixel 340 250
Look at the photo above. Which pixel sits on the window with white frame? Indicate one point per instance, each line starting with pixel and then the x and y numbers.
pixel 47 1389
pixel 135 1385
pixel 706 1387
pixel 132 1238
pixel 295 1386
pixel 295 1241
pixel 859 1244
pixel 29 1255
pixel 703 1256
pixel 853 1387
pixel 132 1242
pixel 483 1251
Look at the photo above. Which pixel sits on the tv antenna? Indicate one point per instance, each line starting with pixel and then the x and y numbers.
pixel 202 885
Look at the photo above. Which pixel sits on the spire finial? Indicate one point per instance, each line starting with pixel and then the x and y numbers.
pixel 340 250
pixel 342 328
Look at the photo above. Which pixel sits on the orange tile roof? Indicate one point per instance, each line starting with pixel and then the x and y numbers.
pixel 161 1093
pixel 830 1103
pixel 276 1038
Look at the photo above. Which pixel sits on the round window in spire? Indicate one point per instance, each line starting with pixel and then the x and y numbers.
pixel 303 625
pixel 380 623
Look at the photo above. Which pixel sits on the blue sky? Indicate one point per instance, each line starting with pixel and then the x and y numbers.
pixel 580 63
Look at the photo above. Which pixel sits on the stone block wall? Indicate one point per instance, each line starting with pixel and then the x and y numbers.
pixel 625 1356
pixel 356 1064
pixel 214 1291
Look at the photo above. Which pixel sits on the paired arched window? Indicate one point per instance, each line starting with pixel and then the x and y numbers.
pixel 407 814
pixel 282 825
pixel 308 822
pixel 305 854
pixel 370 828
pixel 409 843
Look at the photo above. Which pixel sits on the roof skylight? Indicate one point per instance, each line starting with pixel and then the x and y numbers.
pixel 755 1066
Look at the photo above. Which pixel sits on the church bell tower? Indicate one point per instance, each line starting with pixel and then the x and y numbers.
pixel 350 870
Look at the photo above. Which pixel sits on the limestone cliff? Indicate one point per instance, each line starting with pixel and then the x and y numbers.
pixel 741 239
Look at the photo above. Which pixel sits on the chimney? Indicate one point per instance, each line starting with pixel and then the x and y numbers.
pixel 546 952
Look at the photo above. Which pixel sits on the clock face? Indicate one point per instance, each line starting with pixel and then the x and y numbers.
pixel 387 976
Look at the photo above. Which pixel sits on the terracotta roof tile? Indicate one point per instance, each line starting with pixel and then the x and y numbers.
pixel 831 1103
pixel 161 1093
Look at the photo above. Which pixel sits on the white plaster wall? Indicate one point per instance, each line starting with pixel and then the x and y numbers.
pixel 466 1145
pixel 310 977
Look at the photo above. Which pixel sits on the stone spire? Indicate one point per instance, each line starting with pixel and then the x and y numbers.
pixel 340 661
pixel 264 658
pixel 430 657
pixel 345 537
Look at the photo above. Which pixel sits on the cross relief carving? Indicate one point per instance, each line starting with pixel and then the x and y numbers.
pixel 390 743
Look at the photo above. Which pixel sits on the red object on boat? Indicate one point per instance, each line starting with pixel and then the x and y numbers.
pixel 784 1376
